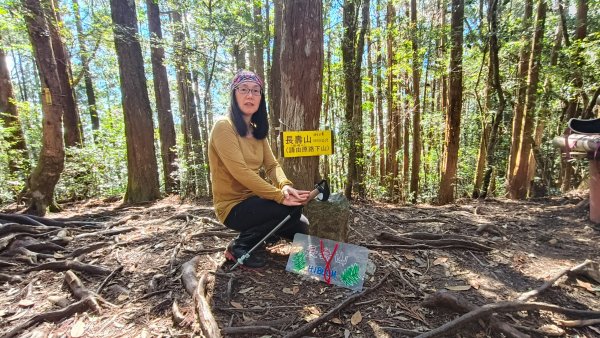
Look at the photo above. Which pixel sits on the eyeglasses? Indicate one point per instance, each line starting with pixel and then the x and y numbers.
pixel 246 91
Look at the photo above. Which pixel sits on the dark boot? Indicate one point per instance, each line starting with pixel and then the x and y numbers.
pixel 240 246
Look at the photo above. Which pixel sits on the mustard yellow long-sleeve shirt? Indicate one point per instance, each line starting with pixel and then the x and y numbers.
pixel 234 165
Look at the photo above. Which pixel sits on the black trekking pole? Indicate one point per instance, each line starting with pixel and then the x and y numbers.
pixel 320 188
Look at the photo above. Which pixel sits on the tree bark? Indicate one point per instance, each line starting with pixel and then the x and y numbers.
pixel 73 131
pixel 517 123
pixel 275 85
pixel 518 186
pixel 42 180
pixel 142 169
pixel 166 127
pixel 416 125
pixel 452 134
pixel 352 50
pixel 9 115
pixel 393 132
pixel 301 66
pixel 87 75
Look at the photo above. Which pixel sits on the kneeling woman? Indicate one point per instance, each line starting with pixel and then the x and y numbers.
pixel 237 150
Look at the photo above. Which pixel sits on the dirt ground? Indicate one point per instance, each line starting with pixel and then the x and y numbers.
pixel 531 241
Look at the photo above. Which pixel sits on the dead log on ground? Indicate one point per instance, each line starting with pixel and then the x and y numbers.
pixel 441 240
pixel 198 292
pixel 534 293
pixel 70 265
pixel 458 304
pixel 503 307
pixel 308 327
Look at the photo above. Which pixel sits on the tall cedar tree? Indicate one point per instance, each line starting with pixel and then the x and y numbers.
pixel 87 75
pixel 17 149
pixel 393 130
pixel 416 78
pixel 301 62
pixel 166 127
pixel 353 43
pixel 452 134
pixel 142 169
pixel 518 186
pixel 275 78
pixel 42 180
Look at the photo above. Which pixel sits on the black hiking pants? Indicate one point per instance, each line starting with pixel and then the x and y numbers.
pixel 255 217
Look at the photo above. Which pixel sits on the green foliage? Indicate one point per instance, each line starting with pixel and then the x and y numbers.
pixel 299 261
pixel 350 276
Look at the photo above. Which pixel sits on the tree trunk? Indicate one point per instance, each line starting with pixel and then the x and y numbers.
pixel 416 78
pixel 379 89
pixel 142 169
pixel 518 186
pixel 73 131
pixel 352 50
pixel 452 134
pixel 393 132
pixel 87 75
pixel 17 149
pixel 166 127
pixel 497 86
pixel 42 180
pixel 259 45
pixel 275 85
pixel 517 125
pixel 301 62
pixel 187 108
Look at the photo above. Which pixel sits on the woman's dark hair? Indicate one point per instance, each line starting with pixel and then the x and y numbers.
pixel 259 119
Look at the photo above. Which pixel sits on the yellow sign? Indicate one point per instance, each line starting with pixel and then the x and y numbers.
pixel 307 143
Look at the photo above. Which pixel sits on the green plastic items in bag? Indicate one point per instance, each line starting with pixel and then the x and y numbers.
pixel 336 263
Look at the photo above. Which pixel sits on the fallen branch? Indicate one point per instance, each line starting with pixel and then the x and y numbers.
pixel 470 243
pixel 503 307
pixel 198 292
pixel 51 316
pixel 205 317
pixel 308 327
pixel 461 305
pixel 70 265
pixel 109 278
pixel 534 293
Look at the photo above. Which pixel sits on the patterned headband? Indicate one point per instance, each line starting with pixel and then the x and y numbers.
pixel 245 76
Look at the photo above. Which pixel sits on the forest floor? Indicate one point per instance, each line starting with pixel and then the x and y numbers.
pixel 146 247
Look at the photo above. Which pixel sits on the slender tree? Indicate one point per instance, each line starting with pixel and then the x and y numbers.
pixel 9 116
pixel 352 50
pixel 275 79
pixel 87 75
pixel 393 127
pixel 518 186
pixel 42 180
pixel 452 133
pixel 416 93
pixel 166 127
pixel 301 66
pixel 142 169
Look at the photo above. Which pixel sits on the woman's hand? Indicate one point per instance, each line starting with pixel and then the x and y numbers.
pixel 294 197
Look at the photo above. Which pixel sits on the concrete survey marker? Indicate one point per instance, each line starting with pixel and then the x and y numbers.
pixel 332 262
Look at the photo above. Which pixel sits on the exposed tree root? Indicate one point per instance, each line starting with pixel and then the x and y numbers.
pixel 435 240
pixel 24 228
pixel 90 248
pixel 51 316
pixel 503 307
pixel 308 327
pixel 461 305
pixel 80 292
pixel 21 218
pixel 109 278
pixel 579 323
pixel 10 278
pixel 198 292
pixel 70 265
pixel 250 330
pixel 214 233
pixel 109 232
